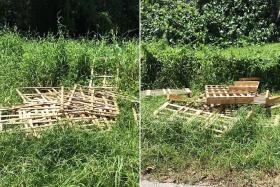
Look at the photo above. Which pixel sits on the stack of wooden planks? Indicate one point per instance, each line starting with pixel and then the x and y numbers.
pixel 44 106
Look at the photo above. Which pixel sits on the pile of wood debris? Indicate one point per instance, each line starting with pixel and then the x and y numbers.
pixel 45 106
pixel 216 108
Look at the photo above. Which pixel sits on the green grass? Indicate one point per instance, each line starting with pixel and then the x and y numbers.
pixel 69 156
pixel 188 153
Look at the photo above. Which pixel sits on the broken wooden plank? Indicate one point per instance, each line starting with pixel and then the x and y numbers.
pixel 21 95
pixel 273 100
pixel 165 92
pixel 161 108
pixel 72 94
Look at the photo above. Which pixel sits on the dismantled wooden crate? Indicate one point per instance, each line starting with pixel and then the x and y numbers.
pixel 241 92
pixel 45 106
pixel 214 121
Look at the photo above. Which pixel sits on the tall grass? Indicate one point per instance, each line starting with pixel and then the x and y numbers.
pixel 68 156
pixel 186 148
pixel 51 62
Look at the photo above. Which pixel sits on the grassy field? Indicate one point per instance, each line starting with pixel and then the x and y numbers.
pixel 246 155
pixel 69 156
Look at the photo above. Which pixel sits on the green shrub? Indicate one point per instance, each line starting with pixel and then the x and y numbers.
pixel 173 21
pixel 219 22
pixel 182 66
pixel 85 17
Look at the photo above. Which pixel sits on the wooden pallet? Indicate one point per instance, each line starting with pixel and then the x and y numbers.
pixel 216 122
pixel 220 94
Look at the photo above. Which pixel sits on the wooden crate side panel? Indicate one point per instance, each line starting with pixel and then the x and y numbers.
pixel 243 88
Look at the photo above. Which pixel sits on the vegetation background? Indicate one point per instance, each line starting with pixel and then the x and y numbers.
pixel 80 18
pixel 218 22
pixel 194 35
pixel 53 43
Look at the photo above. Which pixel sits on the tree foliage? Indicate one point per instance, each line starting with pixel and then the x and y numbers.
pixel 224 22
pixel 81 17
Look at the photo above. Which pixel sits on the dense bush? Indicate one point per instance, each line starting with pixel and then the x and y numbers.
pixel 164 66
pixel 174 21
pixel 53 62
pixel 213 21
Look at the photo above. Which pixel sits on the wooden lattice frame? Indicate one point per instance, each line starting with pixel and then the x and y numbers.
pixel 189 114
